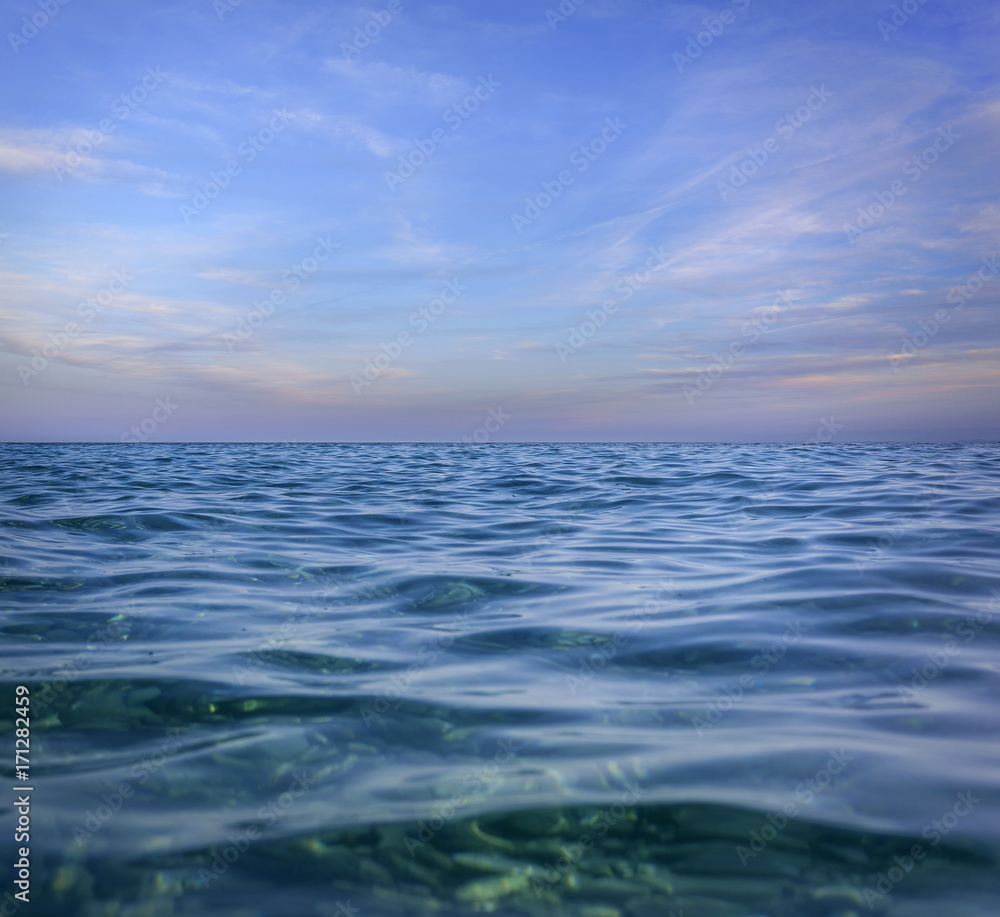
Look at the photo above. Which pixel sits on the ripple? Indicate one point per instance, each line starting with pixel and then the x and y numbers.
pixel 710 624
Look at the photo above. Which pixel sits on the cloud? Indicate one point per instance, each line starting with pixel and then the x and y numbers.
pixel 725 260
pixel 71 154
pixel 40 150
pixel 238 276
pixel 224 88
pixel 386 83
pixel 338 127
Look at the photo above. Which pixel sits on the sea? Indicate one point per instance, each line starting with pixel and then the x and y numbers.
pixel 605 680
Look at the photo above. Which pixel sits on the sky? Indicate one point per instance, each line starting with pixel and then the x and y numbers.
pixel 587 220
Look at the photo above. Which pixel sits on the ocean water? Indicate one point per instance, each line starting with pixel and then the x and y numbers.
pixel 596 680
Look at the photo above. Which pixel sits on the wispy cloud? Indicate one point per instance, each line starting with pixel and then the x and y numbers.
pixel 849 304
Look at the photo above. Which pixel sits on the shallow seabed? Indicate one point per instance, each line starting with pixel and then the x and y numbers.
pixel 592 680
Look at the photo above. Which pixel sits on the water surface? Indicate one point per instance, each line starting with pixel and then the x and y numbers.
pixel 520 679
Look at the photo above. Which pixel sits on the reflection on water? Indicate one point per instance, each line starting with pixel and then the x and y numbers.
pixel 567 679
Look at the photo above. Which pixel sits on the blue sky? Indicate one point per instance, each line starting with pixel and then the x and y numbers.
pixel 594 220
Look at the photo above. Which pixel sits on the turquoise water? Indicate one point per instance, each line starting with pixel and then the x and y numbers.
pixel 514 679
